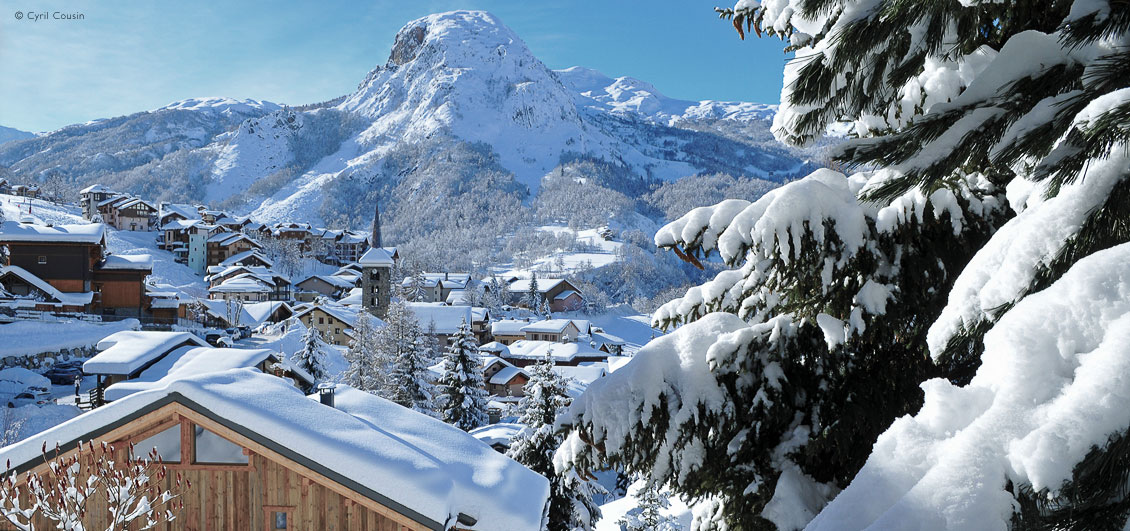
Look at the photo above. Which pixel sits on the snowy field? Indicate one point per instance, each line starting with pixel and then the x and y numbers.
pixel 563 263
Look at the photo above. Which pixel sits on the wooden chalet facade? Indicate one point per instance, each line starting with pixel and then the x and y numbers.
pixel 226 244
pixel 242 439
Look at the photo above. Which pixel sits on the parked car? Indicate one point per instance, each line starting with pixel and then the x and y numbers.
pixel 244 331
pixel 20 387
pixel 218 339
pixel 63 375
pixel 37 397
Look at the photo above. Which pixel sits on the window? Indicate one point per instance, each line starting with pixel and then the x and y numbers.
pixel 337 330
pixel 278 517
pixel 167 444
pixel 213 449
pixel 321 320
pixel 42 259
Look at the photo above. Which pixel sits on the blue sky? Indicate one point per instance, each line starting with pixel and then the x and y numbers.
pixel 129 56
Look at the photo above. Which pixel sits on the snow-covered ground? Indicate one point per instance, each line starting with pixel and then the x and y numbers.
pixel 33 337
pixel 166 270
pixel 563 263
pixel 613 511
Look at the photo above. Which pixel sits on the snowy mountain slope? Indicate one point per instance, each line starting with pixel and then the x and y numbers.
pixel 8 134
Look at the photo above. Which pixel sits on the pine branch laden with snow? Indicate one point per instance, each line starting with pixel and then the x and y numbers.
pixel 134 494
pixel 545 395
pixel 1034 94
pixel 462 388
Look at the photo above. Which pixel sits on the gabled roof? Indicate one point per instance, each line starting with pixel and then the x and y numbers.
pixel 11 231
pixel 347 315
pixel 560 352
pixel 254 313
pixel 128 351
pixel 376 257
pixel 507 374
pixel 333 280
pixel 181 224
pixel 237 258
pixel 135 202
pixel 68 299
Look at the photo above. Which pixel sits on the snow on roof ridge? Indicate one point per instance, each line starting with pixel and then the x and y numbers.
pixel 12 231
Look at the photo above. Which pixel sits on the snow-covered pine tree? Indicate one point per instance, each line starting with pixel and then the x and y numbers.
pixel 366 368
pixel 532 299
pixel 462 389
pixel 648 514
pixel 312 357
pixel 418 292
pixel 570 504
pixel 410 377
pixel 394 342
pixel 951 101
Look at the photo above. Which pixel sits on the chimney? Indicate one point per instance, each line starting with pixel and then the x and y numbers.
pixel 326 394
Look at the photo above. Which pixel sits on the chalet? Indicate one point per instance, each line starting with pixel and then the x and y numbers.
pixel 24 190
pixel 164 306
pixel 170 212
pixel 243 441
pixel 431 292
pixel 224 314
pixel 187 240
pixel 107 209
pixel 244 287
pixel 438 286
pixel 280 286
pixel 119 281
pixel 5 186
pixel 504 380
pixel 440 320
pixel 212 216
pixel 526 352
pixel 606 342
pixel 224 245
pixel 91 196
pixel 134 215
pixel 335 322
pixel 507 331
pixel 64 256
pixel 348 246
pixel 331 286
pixel 561 294
pixel 19 289
pixel 480 324
pixel 551 330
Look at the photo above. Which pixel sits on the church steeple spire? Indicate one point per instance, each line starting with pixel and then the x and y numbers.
pixel 375 239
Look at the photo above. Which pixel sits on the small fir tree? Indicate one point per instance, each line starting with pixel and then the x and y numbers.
pixel 312 358
pixel 462 387
pixel 365 368
pixel 648 514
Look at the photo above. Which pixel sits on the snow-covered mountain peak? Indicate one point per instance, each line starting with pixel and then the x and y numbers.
pixel 467 74
pixel 229 105
pixel 628 96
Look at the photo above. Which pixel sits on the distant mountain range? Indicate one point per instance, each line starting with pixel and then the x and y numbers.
pixel 454 83
pixel 7 134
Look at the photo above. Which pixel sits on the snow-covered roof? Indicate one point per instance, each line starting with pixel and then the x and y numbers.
pixel 333 280
pixel 11 231
pixel 447 319
pixel 504 376
pixel 508 327
pixel 253 314
pixel 135 202
pixel 68 299
pixel 245 283
pixel 352 299
pixel 376 256
pixel 501 433
pixel 412 463
pixel 95 189
pixel 458 296
pixel 604 338
pixel 345 314
pixel 127 351
pixel 548 326
pixel 566 294
pixel 127 262
pixel 181 224
pixel 494 347
pixel 238 258
pixel 186 362
pixel 522 285
pixel 560 352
